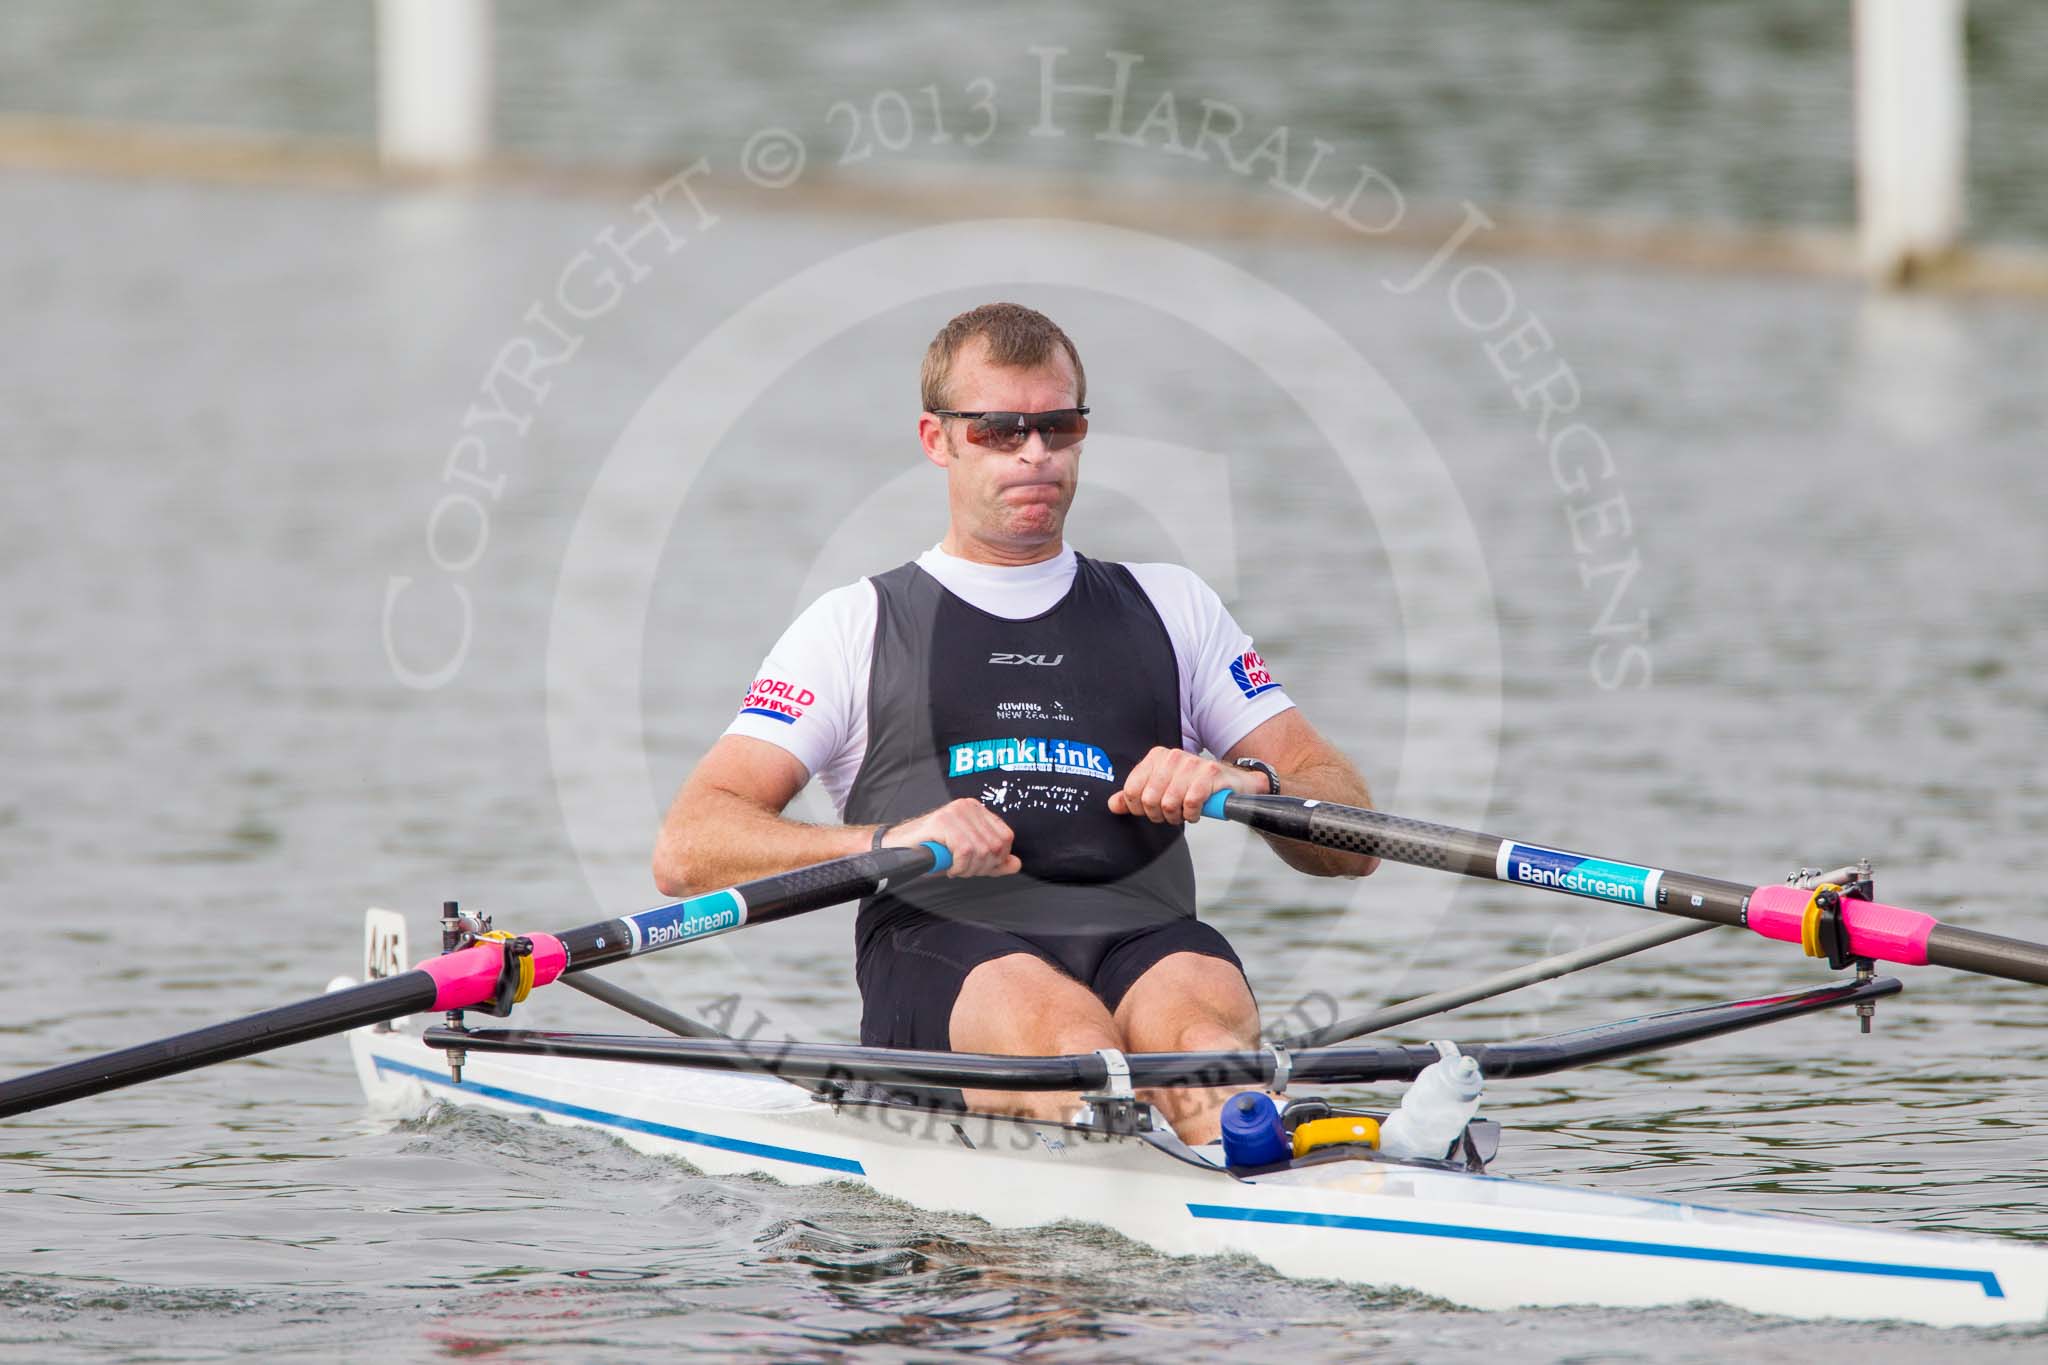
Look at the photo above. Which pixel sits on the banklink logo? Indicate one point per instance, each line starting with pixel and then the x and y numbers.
pixel 1066 756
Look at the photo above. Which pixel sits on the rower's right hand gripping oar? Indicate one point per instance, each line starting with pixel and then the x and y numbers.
pixel 1827 924
pixel 491 974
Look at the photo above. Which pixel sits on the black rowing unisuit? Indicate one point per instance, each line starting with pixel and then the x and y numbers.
pixel 1040 720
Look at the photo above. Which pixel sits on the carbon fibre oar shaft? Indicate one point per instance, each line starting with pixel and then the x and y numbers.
pixel 472 976
pixel 1881 933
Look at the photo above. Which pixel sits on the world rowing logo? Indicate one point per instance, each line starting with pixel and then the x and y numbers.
pixel 777 700
pixel 1251 675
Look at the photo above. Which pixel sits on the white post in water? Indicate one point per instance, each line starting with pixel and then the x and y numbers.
pixel 433 83
pixel 1912 118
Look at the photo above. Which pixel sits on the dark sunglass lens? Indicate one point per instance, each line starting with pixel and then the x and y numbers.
pixel 998 431
pixel 1063 429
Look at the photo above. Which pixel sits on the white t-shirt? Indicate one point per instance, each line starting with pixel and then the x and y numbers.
pixel 810 696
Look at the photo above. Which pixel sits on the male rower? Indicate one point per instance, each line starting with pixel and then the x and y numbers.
pixel 1042 715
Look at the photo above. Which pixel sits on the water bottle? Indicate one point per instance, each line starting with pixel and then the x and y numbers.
pixel 1252 1133
pixel 1436 1108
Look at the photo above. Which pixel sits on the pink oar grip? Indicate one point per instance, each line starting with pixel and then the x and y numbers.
pixel 469 977
pixel 1883 933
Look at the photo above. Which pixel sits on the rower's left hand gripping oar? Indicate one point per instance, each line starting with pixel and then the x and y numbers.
pixel 491 974
pixel 1828 924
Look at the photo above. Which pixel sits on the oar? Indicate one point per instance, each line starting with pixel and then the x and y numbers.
pixel 490 974
pixel 1826 923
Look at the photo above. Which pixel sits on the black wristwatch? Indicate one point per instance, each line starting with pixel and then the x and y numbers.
pixel 1272 778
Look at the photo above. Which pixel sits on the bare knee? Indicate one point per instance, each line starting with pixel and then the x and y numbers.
pixel 1189 1002
pixel 1212 1035
pixel 1022 1006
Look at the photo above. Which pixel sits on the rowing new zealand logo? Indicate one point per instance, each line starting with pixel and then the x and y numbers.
pixel 1028 660
pixel 1019 712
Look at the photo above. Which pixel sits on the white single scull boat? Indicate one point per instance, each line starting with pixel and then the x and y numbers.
pixel 1474 1239
pixel 807 1112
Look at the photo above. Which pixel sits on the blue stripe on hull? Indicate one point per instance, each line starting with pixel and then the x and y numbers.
pixel 792 1155
pixel 1984 1279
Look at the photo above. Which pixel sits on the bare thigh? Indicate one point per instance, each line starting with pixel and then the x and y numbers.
pixel 1190 1002
pixel 1022 1006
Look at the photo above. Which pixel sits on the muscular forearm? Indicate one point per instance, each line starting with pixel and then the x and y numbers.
pixel 714 838
pixel 1329 777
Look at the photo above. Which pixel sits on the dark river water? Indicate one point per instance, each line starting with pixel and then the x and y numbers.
pixel 377 549
pixel 1719 110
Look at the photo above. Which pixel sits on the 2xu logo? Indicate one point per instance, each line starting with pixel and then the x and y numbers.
pixel 1033 660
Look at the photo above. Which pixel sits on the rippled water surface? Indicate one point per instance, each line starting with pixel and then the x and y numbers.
pixel 224 420
pixel 1722 111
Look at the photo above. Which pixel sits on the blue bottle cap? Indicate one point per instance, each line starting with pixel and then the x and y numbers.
pixel 1252 1135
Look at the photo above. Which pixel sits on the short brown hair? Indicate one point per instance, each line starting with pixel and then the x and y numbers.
pixel 1017 337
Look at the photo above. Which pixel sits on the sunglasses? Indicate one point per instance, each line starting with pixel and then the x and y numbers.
pixel 1005 432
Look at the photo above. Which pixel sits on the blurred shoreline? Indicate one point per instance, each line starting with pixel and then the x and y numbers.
pixel 32 144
